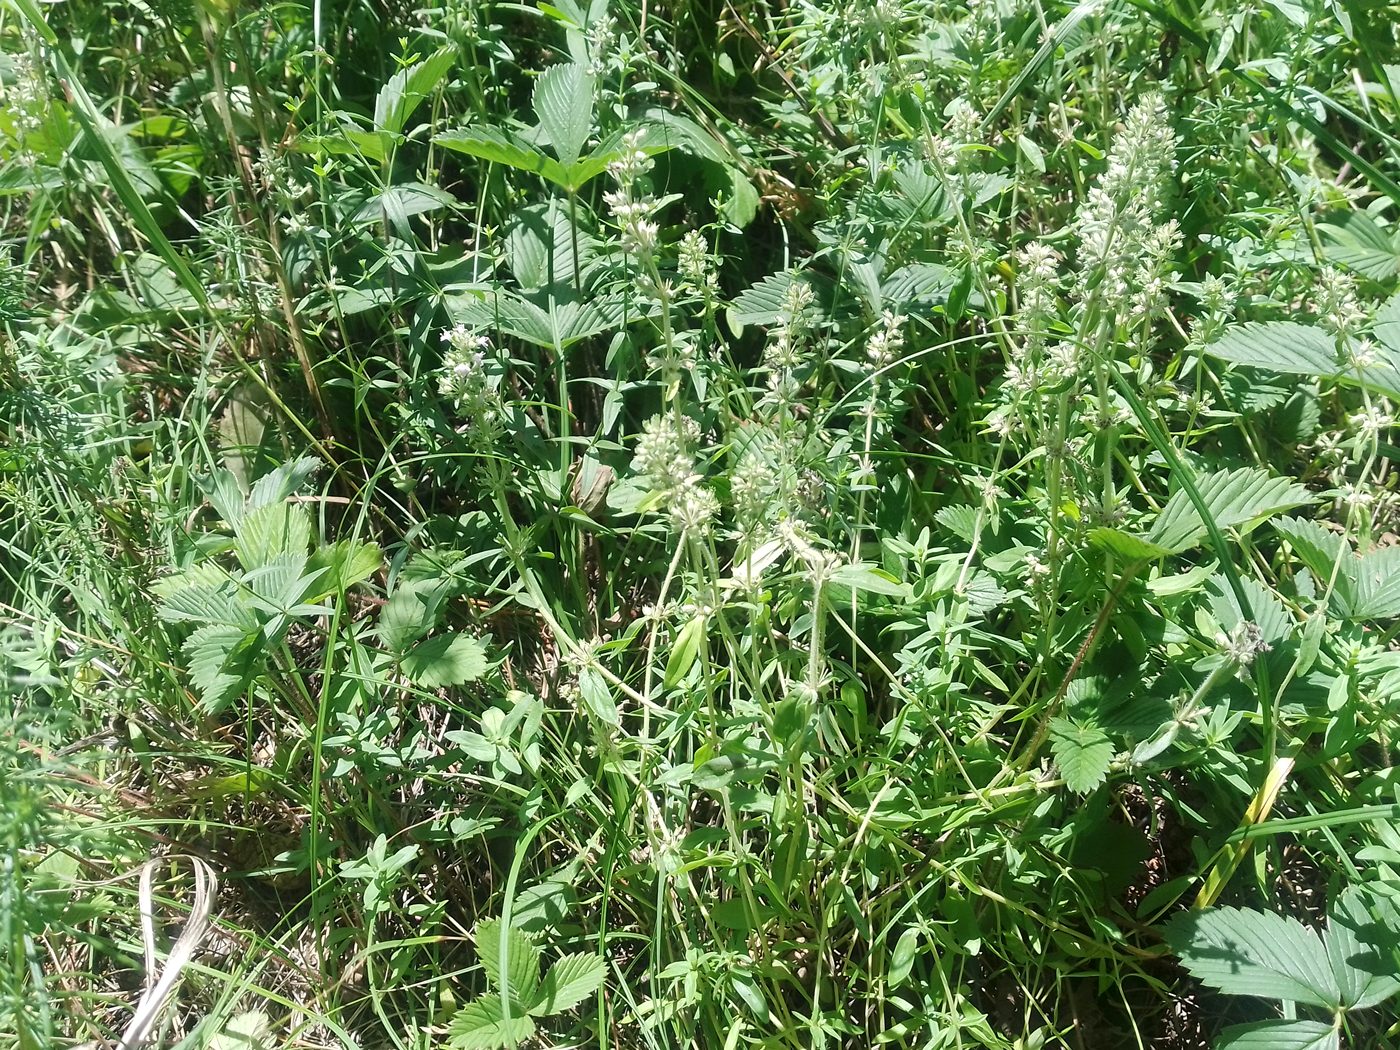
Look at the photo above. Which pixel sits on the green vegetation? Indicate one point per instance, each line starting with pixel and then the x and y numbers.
pixel 699 523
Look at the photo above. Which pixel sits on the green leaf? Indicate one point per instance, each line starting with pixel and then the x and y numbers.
pixel 1279 346
pixel 1126 545
pixel 540 247
pixel 684 652
pixel 555 328
pixel 863 577
pixel 279 483
pixel 410 612
pixel 1376 585
pixel 506 952
pixel 597 696
pixel 1083 753
pixel 1355 241
pixel 500 147
pixel 569 982
pixel 764 302
pixel 564 104
pixel 221 664
pixel 400 202
pixel 1234 498
pixel 902 958
pixel 1241 952
pixel 1299 349
pixel 250 1030
pixel 406 90
pixel 480 1025
pixel 346 563
pixel 1361 950
pixel 203 594
pixel 1297 1034
pixel 446 659
pixel 270 532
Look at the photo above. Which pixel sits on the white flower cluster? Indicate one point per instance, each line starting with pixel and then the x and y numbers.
pixel 1339 308
pixel 1217 304
pixel 1116 227
pixel 665 457
pixel 26 95
pixel 631 209
pixel 776 477
pixel 1244 642
pixel 786 350
pixel 466 379
pixel 694 265
pixel 885 343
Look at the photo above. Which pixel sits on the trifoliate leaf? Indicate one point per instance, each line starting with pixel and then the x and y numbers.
pixel 446 659
pixel 569 982
pixel 1083 753
pixel 1279 346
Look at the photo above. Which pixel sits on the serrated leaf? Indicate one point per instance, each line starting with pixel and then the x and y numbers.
pixel 1360 950
pixel 492 144
pixel 1279 346
pixel 1233 498
pixel 480 1025
pixel 508 952
pixel 1355 241
pixel 270 532
pixel 1126 545
pixel 917 283
pixel 412 609
pixel 203 594
pixel 280 482
pixel 1297 1034
pixel 282 584
pixel 564 105
pixel 540 247
pixel 765 302
pixel 1319 548
pixel 1376 585
pixel 446 659
pixel 1241 952
pixel 556 328
pixel 569 982
pixel 408 88
pixel 1082 752
pixel 1299 349
pixel 221 663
